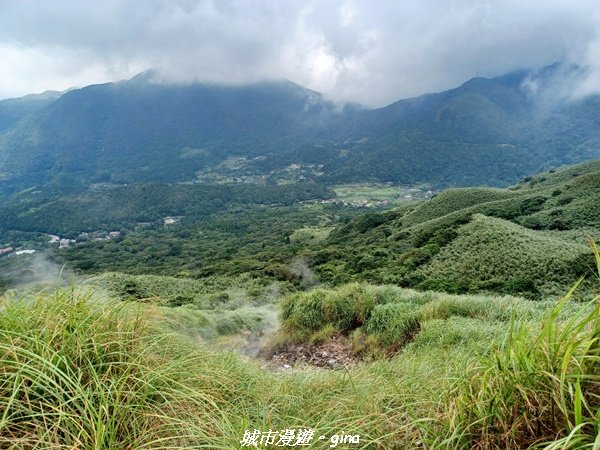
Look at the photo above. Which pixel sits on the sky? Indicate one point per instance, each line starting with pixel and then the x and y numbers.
pixel 371 52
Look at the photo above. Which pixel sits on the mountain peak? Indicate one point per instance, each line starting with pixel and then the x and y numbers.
pixel 146 76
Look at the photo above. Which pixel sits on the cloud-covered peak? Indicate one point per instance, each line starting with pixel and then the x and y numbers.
pixel 350 50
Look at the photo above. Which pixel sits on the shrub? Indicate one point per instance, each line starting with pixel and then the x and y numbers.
pixel 521 285
pixel 532 205
pixel 416 257
pixel 237 321
pixel 346 308
pixel 394 324
pixel 304 311
pixel 565 200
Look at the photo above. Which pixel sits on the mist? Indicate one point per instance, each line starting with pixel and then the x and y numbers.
pixel 304 274
pixel 38 271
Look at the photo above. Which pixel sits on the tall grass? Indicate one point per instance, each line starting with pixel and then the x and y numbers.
pixel 77 373
pixel 539 388
pixel 383 319
pixel 80 373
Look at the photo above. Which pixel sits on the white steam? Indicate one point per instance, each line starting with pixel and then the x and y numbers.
pixel 305 275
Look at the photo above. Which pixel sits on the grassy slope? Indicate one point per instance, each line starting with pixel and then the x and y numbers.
pixel 387 317
pixel 81 374
pixel 490 250
pixel 530 239
pixel 453 200
pixel 79 371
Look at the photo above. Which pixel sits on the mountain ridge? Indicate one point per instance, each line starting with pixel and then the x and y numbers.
pixel 487 131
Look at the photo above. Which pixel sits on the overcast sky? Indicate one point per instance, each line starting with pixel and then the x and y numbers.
pixel 367 51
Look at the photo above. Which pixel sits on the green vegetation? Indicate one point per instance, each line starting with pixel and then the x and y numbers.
pixel 532 375
pixel 77 373
pixel 209 293
pixel 387 317
pixel 538 386
pixel 124 207
pixel 259 240
pixel 531 239
pixel 83 371
pixel 497 255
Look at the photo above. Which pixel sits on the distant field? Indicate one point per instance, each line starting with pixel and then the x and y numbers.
pixel 361 192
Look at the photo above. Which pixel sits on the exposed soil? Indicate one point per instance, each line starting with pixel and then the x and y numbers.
pixel 336 353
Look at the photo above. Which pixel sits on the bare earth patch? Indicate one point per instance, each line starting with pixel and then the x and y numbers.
pixel 336 353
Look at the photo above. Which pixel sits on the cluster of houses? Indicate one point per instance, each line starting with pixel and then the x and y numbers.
pixel 12 251
pixel 57 241
pixel 84 237
pixel 63 243
pixel 66 243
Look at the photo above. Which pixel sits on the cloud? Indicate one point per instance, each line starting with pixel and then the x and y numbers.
pixel 351 50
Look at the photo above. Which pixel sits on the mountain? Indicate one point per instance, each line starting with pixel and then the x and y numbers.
pixel 138 130
pixel 14 109
pixel 487 131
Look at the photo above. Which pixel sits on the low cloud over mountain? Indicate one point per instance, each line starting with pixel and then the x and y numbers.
pixel 354 50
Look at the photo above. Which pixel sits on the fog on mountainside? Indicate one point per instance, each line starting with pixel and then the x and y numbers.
pixel 487 131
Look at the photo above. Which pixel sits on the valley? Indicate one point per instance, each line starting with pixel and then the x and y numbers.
pixel 183 264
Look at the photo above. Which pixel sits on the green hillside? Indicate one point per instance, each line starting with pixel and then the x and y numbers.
pixel 530 239
pixel 491 254
pixel 485 132
pixel 141 131
pixel 453 200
